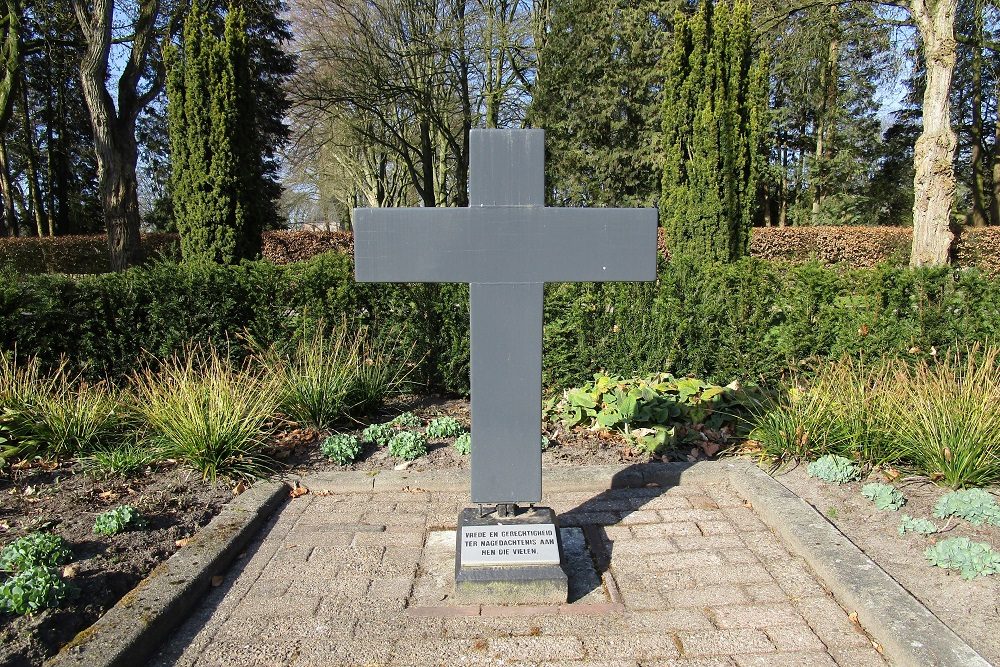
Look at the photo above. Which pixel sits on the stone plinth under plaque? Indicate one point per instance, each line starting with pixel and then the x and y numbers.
pixel 511 560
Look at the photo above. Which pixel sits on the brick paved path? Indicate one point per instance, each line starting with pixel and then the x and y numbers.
pixel 690 577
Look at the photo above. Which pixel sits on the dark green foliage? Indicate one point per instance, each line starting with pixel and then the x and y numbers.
pixel 598 100
pixel 719 322
pixel 213 174
pixel 33 589
pixel 341 448
pixel 117 520
pixel 714 108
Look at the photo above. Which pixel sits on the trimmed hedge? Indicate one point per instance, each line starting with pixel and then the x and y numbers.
pixel 746 320
pixel 858 247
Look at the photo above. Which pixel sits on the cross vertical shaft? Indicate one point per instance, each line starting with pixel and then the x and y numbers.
pixel 506 324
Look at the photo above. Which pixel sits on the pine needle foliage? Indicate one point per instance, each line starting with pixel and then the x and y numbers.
pixel 213 175
pixel 713 119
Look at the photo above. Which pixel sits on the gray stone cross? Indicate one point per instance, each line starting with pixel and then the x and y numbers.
pixel 506 244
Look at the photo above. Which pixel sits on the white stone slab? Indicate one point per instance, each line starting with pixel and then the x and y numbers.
pixel 519 544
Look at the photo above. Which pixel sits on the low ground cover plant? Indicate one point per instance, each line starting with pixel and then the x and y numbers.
pixel 909 524
pixel 28 567
pixel 971 559
pixel 341 448
pixel 406 420
pixel 118 520
pixel 976 506
pixel 380 434
pixel 885 496
pixel 834 469
pixel 440 428
pixel 463 444
pixel 408 445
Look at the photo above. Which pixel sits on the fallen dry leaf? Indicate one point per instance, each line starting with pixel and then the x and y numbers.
pixel 854 618
pixel 107 495
pixel 298 490
pixel 29 490
pixel 217 580
pixel 182 543
pixel 239 488
pixel 70 571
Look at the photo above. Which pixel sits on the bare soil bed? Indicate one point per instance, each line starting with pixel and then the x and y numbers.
pixel 970 608
pixel 60 499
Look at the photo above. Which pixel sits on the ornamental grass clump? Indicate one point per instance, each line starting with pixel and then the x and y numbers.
pixel 210 413
pixel 945 416
pixel 885 496
pixel 408 445
pixel 125 460
pixel 834 469
pixel 341 448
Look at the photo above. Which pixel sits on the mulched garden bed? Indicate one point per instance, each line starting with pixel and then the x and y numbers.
pixel 59 498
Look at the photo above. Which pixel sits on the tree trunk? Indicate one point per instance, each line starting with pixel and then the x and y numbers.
pixel 934 172
pixel 427 163
pixel 9 225
pixel 995 206
pixel 978 215
pixel 31 159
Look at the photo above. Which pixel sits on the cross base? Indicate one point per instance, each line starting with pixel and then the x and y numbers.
pixel 509 560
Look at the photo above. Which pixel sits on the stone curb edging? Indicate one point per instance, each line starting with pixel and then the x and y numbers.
pixel 128 633
pixel 909 632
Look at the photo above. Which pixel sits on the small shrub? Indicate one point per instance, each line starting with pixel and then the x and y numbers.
pixel 971 559
pixel 380 434
pixel 463 444
pixel 341 448
pixel 909 524
pixel 210 413
pixel 885 496
pixel 444 427
pixel 974 505
pixel 834 469
pixel 126 460
pixel 408 445
pixel 117 520
pixel 35 549
pixel 406 420
pixel 32 589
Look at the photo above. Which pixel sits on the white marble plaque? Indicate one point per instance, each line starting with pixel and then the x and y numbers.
pixel 519 544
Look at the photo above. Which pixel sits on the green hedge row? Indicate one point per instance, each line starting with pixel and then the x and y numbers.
pixel 748 320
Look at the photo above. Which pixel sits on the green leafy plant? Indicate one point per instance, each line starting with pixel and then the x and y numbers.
pixel 885 496
pixel 463 444
pixel 210 413
pixel 909 524
pixel 125 460
pixel 408 445
pixel 974 505
pixel 341 448
pixel 406 420
pixel 971 559
pixel 545 443
pixel 31 590
pixel 834 469
pixel 380 434
pixel 35 549
pixel 649 410
pixel 117 520
pixel 444 427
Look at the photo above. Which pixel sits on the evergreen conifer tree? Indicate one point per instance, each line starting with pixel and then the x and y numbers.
pixel 212 170
pixel 714 111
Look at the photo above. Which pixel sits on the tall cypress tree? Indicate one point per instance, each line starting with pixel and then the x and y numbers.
pixel 714 111
pixel 212 174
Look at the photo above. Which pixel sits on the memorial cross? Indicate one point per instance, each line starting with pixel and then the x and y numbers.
pixel 506 244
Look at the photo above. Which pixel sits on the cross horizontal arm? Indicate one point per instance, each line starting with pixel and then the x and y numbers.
pixel 504 244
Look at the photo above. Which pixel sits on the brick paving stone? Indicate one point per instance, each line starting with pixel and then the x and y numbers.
pixel 756 616
pixel 651 547
pixel 857 656
pixel 830 623
pixel 588 519
pixel 765 592
pixel 669 620
pixel 670 528
pixel 724 495
pixel 716 527
pixel 633 646
pixel 711 661
pixel 717 542
pixel 794 577
pixel 639 517
pixel 744 518
pixel 706 596
pixel 797 637
pixel 725 642
pixel 536 648
pixel 692 515
pixel 814 659
pixel 702 503
pixel 745 574
pixel 665 502
pixel 615 533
